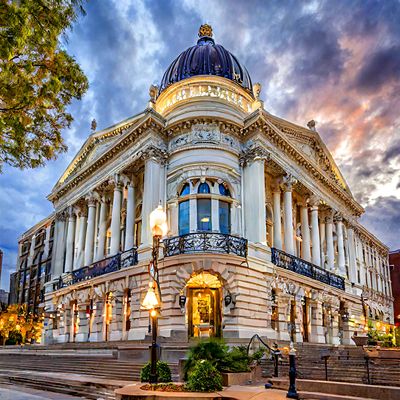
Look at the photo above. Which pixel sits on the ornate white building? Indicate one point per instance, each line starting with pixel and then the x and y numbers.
pixel 263 233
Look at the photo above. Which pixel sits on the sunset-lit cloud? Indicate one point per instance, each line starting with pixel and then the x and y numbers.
pixel 335 62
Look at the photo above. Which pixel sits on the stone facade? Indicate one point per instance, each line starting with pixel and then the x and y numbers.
pixel 263 232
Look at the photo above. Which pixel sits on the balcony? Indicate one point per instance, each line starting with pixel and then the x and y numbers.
pixel 205 242
pixel 102 267
pixel 305 268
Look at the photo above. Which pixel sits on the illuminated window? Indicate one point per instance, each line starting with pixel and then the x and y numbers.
pixel 204 214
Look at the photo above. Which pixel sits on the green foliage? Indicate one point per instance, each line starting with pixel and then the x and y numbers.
pixel 163 372
pixel 383 339
pixel 397 335
pixel 222 357
pixel 38 79
pixel 204 377
pixel 213 350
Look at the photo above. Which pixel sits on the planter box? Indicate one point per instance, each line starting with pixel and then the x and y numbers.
pixel 360 340
pixel 235 378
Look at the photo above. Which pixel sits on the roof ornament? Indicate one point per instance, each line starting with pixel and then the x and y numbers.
pixel 311 125
pixel 205 30
pixel 93 125
pixel 153 91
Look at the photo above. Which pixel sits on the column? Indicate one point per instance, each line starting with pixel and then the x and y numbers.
pixel 116 217
pixel 316 250
pixel 305 233
pixel 47 241
pixel 151 195
pixel 173 217
pixel 81 239
pixel 102 229
pixel 254 200
pixel 59 242
pixel 69 255
pixel 339 232
pixel 288 213
pixel 322 232
pixel 89 243
pixel 352 257
pixel 215 215
pixel 130 217
pixel 277 229
pixel 330 254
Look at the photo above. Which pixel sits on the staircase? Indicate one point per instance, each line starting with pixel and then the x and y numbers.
pixel 344 364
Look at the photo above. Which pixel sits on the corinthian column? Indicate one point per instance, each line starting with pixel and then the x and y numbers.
pixel 316 247
pixel 81 238
pixel 254 196
pixel 277 228
pixel 58 251
pixel 330 253
pixel 102 229
pixel 69 255
pixel 130 216
pixel 352 257
pixel 305 233
pixel 288 183
pixel 151 192
pixel 89 243
pixel 116 217
pixel 339 231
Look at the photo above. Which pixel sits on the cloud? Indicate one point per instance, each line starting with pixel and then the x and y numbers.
pixel 335 62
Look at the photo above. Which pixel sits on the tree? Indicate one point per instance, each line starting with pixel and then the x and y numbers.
pixel 16 322
pixel 38 79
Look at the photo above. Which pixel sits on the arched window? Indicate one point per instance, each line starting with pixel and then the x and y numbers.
pixel 223 190
pixel 224 217
pixel 185 189
pixel 203 188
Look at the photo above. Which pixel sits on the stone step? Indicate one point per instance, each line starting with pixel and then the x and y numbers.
pixel 325 396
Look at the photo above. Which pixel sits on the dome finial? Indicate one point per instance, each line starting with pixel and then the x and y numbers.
pixel 205 30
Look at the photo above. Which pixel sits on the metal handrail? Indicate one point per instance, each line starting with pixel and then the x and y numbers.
pixel 305 268
pixel 98 268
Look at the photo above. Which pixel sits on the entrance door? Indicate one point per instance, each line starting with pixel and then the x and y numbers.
pixel 204 312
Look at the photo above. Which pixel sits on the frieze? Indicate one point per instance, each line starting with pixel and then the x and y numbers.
pixel 204 134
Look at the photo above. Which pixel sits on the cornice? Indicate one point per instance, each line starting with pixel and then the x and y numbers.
pixel 258 121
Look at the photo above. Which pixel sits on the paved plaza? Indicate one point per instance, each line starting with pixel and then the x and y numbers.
pixel 21 393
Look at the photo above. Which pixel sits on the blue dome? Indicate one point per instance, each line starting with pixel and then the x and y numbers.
pixel 206 58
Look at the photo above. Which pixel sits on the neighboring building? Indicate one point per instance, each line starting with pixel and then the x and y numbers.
pixel 394 260
pixel 263 233
pixel 33 266
pixel 3 299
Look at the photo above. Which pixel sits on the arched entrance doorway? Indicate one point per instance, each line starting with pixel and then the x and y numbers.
pixel 204 305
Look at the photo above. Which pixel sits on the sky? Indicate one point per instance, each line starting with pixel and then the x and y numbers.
pixel 337 62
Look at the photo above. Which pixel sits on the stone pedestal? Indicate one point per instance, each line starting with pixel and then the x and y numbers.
pixel 97 330
pixel 117 317
pixel 317 329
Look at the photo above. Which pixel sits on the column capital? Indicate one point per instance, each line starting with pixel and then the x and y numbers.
pixel 254 153
pixel 314 201
pixel 71 212
pixel 155 153
pixel 116 181
pixel 288 181
pixel 329 218
pixel 91 199
pixel 337 217
pixel 61 215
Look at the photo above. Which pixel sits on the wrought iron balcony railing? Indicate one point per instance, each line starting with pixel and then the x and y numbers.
pixel 302 267
pixel 110 264
pixel 205 242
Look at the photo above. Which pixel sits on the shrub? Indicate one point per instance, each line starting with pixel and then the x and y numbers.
pixel 212 350
pixel 204 377
pixel 235 360
pixel 163 372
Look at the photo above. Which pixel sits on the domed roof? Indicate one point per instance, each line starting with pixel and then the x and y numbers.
pixel 206 58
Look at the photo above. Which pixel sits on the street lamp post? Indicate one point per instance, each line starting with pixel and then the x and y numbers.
pixel 152 300
pixel 292 392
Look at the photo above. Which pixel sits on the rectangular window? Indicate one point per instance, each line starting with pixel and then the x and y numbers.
pixel 224 217
pixel 184 212
pixel 204 214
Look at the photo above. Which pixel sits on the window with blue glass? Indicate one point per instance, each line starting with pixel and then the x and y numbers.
pixel 223 190
pixel 224 217
pixel 203 188
pixel 185 189
pixel 184 217
pixel 204 214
